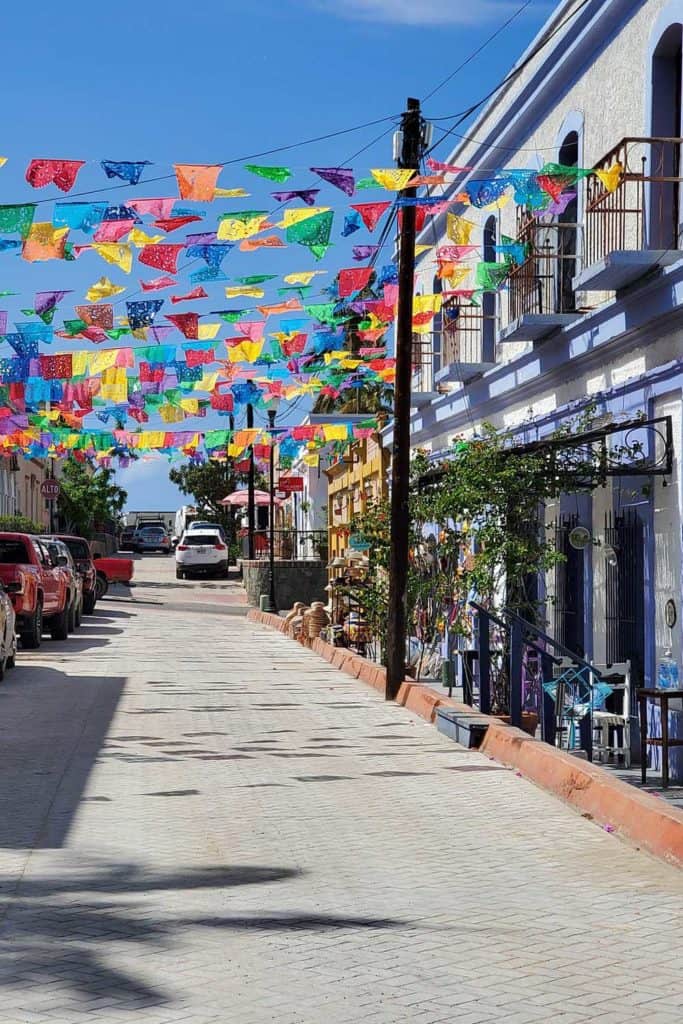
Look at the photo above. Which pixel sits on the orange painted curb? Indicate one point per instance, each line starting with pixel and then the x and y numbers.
pixel 645 820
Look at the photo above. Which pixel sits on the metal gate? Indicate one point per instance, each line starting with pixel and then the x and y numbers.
pixel 568 612
pixel 625 597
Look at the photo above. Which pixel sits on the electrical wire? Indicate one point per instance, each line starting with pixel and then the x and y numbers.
pixel 475 53
pixel 515 73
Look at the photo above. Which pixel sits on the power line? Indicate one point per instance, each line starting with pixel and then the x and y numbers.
pixel 515 73
pixel 475 53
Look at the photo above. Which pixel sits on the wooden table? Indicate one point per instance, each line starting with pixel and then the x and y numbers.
pixel 663 741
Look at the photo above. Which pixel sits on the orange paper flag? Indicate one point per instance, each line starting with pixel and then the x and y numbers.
pixel 197 181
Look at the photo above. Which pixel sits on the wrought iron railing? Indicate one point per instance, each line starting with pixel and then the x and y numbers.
pixel 643 211
pixel 468 334
pixel 310 545
pixel 543 282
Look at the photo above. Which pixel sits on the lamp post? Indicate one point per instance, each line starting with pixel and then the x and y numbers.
pixel 272 413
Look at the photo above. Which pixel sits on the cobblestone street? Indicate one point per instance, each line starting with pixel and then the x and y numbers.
pixel 203 822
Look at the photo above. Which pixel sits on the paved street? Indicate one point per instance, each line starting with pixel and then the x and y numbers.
pixel 202 822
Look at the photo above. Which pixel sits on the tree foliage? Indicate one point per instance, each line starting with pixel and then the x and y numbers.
pixel 207 483
pixel 89 500
pixel 20 524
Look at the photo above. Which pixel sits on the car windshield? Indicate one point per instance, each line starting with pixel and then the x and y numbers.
pixel 78 548
pixel 195 538
pixel 13 552
pixel 154 531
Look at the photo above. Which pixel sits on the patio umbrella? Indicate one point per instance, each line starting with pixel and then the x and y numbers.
pixel 241 498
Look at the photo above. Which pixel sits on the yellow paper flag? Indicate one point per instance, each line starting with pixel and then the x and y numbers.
pixel 458 229
pixel 392 178
pixel 233 230
pixel 302 277
pixel 207 332
pixel 611 177
pixel 250 290
pixel 103 289
pixel 112 252
pixel 138 238
pixel 295 216
pixel 231 193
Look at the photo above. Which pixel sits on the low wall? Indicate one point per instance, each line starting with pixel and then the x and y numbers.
pixel 294 581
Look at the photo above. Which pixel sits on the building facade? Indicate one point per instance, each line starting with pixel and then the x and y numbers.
pixel 589 326
pixel 355 480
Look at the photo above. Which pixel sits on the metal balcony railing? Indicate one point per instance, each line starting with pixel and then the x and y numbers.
pixel 643 211
pixel 469 333
pixel 542 284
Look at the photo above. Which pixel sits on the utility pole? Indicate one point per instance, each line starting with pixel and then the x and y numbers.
pixel 229 484
pixel 411 128
pixel 251 511
pixel 271 524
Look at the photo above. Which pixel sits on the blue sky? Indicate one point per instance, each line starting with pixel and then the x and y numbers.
pixel 154 80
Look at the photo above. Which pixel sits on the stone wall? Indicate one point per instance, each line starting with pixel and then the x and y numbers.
pixel 294 581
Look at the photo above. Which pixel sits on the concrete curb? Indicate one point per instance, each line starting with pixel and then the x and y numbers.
pixel 643 819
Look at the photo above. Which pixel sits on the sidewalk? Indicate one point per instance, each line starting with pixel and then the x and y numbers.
pixel 203 822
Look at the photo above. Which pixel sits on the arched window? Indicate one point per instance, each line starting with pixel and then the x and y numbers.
pixel 565 300
pixel 488 301
pixel 665 157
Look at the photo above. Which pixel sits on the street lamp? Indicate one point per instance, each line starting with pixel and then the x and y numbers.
pixel 272 413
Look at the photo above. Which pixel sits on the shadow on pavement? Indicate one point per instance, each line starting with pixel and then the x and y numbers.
pixel 63 930
pixel 52 728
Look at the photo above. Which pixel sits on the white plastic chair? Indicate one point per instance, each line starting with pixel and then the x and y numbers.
pixel 608 725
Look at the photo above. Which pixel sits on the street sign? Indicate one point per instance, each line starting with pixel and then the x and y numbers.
pixel 357 542
pixel 290 484
pixel 50 489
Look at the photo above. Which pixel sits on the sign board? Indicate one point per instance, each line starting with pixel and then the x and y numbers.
pixel 357 542
pixel 50 489
pixel 290 484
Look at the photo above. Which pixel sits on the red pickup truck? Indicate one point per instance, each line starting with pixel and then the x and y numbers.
pixel 36 587
pixel 112 570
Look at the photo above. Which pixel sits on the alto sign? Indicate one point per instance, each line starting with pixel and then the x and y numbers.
pixel 50 489
pixel 290 484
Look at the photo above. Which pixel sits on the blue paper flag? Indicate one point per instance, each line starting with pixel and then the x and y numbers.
pixel 124 169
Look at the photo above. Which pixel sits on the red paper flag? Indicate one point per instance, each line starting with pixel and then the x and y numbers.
pixel 222 403
pixel 353 280
pixel 295 345
pixel 61 173
pixel 187 323
pixel 199 356
pixel 173 223
pixel 157 284
pixel 196 293
pixel 163 257
pixel 370 213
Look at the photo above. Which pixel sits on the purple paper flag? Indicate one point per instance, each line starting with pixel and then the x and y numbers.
pixel 47 300
pixel 557 206
pixel 340 177
pixel 3 321
pixel 202 238
pixel 306 195
pixel 364 252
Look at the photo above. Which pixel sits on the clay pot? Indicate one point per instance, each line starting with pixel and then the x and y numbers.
pixel 317 620
pixel 298 605
pixel 296 626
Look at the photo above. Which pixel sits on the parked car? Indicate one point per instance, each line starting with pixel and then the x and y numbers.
pixel 201 551
pixel 37 589
pixel 112 570
pixel 208 526
pixel 8 634
pixel 127 539
pixel 152 538
pixel 61 559
pixel 82 556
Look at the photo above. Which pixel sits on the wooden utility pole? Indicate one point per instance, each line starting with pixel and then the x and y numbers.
pixel 411 126
pixel 251 510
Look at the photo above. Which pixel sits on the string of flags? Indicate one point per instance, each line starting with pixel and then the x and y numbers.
pixel 284 340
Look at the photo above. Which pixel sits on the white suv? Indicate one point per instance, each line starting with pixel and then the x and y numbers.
pixel 201 551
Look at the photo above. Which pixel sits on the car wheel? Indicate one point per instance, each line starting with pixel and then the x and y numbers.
pixel 32 635
pixel 179 574
pixel 101 586
pixel 59 625
pixel 89 603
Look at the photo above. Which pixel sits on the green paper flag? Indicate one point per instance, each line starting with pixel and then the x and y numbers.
pixel 244 215
pixel 319 250
pixel 271 173
pixel 324 312
pixel 231 316
pixel 314 231
pixel 255 278
pixel 367 183
pixel 491 276
pixel 17 218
